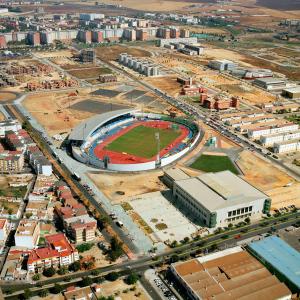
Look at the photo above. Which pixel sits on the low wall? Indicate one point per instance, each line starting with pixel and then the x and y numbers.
pixel 132 167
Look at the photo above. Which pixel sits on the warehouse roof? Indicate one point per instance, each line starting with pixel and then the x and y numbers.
pixel 281 256
pixel 293 90
pixel 84 129
pixel 234 274
pixel 270 80
pixel 218 190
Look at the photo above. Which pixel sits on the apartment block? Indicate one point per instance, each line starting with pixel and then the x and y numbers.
pixel 27 234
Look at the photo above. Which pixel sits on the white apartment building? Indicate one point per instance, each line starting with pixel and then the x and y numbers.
pixel 287 146
pixel 256 133
pixel 27 234
pixel 4 229
pixel 269 140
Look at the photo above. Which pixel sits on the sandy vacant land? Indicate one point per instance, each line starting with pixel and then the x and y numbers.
pixel 270 180
pixel 54 54
pixel 130 184
pixel 112 52
pixel 6 96
pixel 121 289
pixel 167 84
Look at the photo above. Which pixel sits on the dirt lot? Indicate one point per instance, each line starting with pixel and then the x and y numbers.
pixel 167 84
pixel 250 94
pixel 112 52
pixel 270 180
pixel 120 289
pixel 87 73
pixel 52 110
pixel 7 97
pixel 54 54
pixel 131 184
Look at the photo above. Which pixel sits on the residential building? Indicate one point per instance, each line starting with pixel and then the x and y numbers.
pixel 27 234
pixel 2 42
pixel 11 161
pixel 4 230
pixel 34 38
pixel 287 146
pixel 217 199
pixel 57 253
pixel 269 140
pixel 256 133
pixel 229 274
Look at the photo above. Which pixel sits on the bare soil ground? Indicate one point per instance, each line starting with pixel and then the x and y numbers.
pixel 130 184
pixel 120 289
pixel 89 72
pixel 270 180
pixel 52 110
pixel 113 52
pixel 167 84
pixel 6 96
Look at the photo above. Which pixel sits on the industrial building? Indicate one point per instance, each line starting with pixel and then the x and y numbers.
pixel 218 199
pixel 273 84
pixel 281 258
pixel 292 93
pixel 229 274
pixel 222 65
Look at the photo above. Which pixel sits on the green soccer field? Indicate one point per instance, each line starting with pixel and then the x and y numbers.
pixel 213 163
pixel 141 142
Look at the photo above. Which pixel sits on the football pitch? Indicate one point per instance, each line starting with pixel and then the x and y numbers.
pixel 213 163
pixel 141 142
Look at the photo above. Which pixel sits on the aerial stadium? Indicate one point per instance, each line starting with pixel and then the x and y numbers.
pixel 130 140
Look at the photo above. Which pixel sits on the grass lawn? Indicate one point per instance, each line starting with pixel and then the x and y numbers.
pixel 213 163
pixel 140 141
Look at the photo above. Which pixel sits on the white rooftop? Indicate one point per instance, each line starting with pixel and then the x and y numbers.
pixel 219 190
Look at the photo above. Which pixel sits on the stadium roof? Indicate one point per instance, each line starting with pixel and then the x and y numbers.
pixel 280 256
pixel 219 190
pixel 84 129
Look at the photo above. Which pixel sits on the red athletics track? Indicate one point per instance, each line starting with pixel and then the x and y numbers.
pixel 120 158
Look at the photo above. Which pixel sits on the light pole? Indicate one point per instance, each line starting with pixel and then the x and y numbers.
pixel 158 146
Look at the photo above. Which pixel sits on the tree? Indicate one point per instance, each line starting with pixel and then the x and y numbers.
pixel 174 258
pixel 49 272
pixel 95 272
pixel 36 277
pixel 28 215
pixel 86 281
pixel 132 278
pixel 174 244
pixel 62 271
pixel 57 289
pixel 27 294
pixel 247 220
pixel 230 225
pixel 75 266
pixel 43 293
pixel 113 276
pixel 115 249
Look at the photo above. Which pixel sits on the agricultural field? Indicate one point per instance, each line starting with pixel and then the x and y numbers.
pixel 141 142
pixel 214 163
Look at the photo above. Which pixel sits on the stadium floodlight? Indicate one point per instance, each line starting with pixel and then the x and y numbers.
pixel 157 137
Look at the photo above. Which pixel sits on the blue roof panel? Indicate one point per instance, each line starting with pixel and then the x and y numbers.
pixel 281 256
